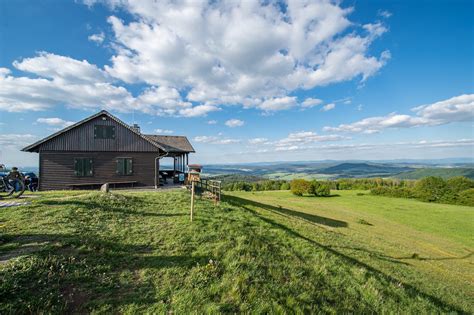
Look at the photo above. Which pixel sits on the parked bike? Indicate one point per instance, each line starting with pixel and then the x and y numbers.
pixel 11 186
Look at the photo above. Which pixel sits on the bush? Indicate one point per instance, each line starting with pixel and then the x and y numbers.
pixel 459 183
pixel 299 186
pixel 313 188
pixel 285 186
pixel 466 197
pixel 431 189
pixel 455 186
pixel 399 192
pixel 323 190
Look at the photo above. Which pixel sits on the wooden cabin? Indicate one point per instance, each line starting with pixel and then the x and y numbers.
pixel 103 149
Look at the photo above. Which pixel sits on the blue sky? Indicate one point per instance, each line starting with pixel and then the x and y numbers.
pixel 246 82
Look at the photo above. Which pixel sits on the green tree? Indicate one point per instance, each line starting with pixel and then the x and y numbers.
pixel 254 186
pixel 299 186
pixel 459 183
pixel 431 189
pixel 313 187
pixel 466 197
pixel 323 190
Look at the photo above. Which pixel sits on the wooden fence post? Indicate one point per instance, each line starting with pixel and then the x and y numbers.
pixel 192 200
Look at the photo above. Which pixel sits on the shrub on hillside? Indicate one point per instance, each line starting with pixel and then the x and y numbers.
pixel 285 186
pixel 299 186
pixel 313 188
pixel 431 189
pixel 399 192
pixel 459 183
pixel 466 197
pixel 323 190
pixel 455 186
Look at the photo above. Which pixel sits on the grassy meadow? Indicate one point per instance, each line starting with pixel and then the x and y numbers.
pixel 256 252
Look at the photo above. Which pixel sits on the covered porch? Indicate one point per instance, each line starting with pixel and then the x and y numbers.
pixel 172 174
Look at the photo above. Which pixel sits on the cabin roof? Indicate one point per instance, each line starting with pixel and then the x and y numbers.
pixel 168 145
pixel 172 144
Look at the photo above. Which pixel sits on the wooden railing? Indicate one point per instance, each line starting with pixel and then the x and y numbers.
pixel 211 186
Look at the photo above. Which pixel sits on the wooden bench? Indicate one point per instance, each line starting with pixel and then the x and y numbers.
pixel 112 184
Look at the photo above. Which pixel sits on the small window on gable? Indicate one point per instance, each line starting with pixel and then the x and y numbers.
pixel 83 167
pixel 104 132
pixel 124 166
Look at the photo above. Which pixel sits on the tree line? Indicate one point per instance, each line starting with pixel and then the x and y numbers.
pixel 339 184
pixel 456 190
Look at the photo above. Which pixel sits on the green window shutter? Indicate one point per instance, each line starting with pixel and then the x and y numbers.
pixel 83 167
pixel 99 132
pixel 77 167
pixel 88 170
pixel 120 166
pixel 129 166
pixel 108 132
pixel 104 132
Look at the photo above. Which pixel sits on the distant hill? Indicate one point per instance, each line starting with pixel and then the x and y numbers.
pixel 441 172
pixel 334 169
pixel 231 178
pixel 363 170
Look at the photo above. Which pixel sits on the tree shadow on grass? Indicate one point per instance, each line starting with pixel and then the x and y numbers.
pixel 280 210
pixel 379 275
pixel 373 254
pixel 84 269
pixel 312 196
pixel 417 257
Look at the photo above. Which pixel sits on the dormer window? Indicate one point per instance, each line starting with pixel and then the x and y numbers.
pixel 104 132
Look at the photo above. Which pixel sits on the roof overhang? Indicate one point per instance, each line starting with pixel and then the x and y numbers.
pixel 35 146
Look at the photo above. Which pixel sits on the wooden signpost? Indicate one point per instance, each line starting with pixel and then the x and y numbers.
pixel 192 200
pixel 194 175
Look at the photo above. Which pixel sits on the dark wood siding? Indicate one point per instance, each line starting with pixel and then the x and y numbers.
pixel 57 168
pixel 82 138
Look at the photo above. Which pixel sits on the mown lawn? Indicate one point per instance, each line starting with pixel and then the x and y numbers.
pixel 138 252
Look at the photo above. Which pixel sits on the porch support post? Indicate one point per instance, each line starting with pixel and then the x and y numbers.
pixel 174 166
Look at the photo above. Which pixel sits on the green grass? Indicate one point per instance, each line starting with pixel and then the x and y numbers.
pixel 265 252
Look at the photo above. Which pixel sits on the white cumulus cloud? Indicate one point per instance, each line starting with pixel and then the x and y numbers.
pixel 241 52
pixel 215 140
pixel 232 123
pixel 55 122
pixel 16 140
pixel 195 57
pixel 328 107
pixel 97 38
pixel 164 131
pixel 311 102
pixel 456 109
pixel 64 81
pixel 306 137
pixel 257 140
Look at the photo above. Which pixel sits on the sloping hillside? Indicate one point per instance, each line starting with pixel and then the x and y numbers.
pixel 138 253
pixel 441 172
pixel 363 170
